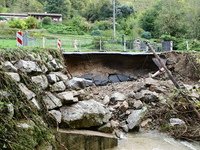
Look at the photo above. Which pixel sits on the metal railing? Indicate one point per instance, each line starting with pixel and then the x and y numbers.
pixel 89 45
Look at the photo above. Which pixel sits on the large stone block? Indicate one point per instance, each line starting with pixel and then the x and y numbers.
pixel 85 114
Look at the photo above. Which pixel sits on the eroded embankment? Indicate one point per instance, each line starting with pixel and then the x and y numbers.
pixel 37 96
pixel 100 64
pixel 185 69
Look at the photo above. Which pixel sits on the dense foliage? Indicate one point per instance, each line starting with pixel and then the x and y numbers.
pixel 176 18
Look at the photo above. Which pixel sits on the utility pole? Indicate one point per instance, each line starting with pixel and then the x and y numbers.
pixel 114 28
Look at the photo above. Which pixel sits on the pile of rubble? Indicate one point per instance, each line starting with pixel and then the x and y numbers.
pixel 115 108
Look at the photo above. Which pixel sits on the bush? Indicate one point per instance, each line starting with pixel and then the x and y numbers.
pixel 58 28
pixel 31 22
pixel 96 33
pixel 127 31
pixel 3 24
pixel 46 21
pixel 108 33
pixel 104 25
pixel 146 35
pixel 3 18
pixel 168 38
pixel 194 45
pixel 94 27
pixel 17 23
pixel 39 25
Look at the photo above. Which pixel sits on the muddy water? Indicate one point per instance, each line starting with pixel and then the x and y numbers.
pixel 153 141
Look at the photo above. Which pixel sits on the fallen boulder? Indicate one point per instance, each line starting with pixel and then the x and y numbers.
pixel 135 118
pixel 85 114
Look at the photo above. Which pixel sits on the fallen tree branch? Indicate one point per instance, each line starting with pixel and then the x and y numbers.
pixel 173 80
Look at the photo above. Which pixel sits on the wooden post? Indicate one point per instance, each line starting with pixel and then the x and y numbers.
pixel 173 80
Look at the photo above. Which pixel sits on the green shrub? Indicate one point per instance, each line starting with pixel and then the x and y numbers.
pixel 96 33
pixel 58 28
pixel 168 38
pixel 17 23
pixel 79 23
pixel 195 45
pixel 146 35
pixel 46 21
pixel 104 25
pixel 94 27
pixel 127 31
pixel 3 18
pixel 107 33
pixel 31 22
pixel 39 25
pixel 3 24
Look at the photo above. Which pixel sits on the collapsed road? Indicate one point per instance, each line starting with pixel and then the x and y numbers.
pixel 103 64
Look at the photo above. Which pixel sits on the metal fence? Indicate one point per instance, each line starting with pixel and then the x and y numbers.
pixel 76 44
pixel 89 45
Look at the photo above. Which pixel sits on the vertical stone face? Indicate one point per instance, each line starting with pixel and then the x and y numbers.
pixel 28 66
pixel 51 101
pixel 29 94
pixel 86 140
pixel 14 76
pixel 8 66
pixel 41 81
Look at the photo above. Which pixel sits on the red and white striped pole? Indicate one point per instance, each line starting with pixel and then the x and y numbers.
pixel 59 44
pixel 158 72
pixel 19 38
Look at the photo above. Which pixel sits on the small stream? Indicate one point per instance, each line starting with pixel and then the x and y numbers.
pixel 153 141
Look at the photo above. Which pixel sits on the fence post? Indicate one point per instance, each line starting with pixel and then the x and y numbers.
pixel 25 39
pixel 124 45
pixel 187 45
pixel 43 42
pixel 100 46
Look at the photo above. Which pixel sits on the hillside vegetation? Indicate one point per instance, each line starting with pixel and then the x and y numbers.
pixel 175 20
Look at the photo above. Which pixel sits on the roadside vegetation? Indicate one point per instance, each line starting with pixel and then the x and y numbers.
pixel 176 20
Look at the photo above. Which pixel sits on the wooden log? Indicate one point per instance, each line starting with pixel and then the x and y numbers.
pixel 173 80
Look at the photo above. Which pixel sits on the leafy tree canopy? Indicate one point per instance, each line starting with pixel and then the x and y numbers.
pixel 124 10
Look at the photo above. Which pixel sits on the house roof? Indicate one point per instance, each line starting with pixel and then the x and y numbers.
pixel 44 14
pixel 30 14
pixel 13 14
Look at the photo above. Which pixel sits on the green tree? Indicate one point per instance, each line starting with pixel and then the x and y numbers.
pixel 58 6
pixel 7 3
pixel 79 4
pixel 124 11
pixel 30 6
pixel 147 19
pixel 171 18
pixel 100 10
pixel 193 19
